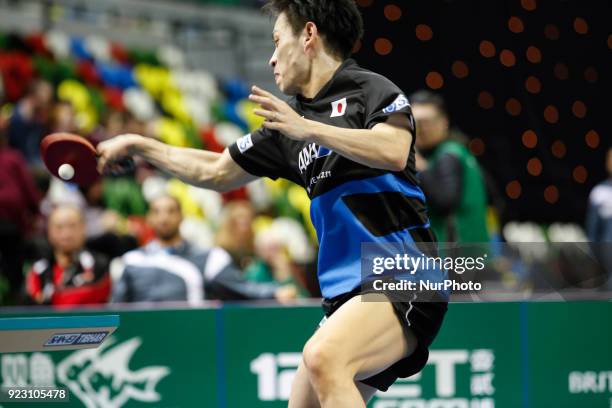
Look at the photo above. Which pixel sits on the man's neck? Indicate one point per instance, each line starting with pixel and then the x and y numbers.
pixel 322 71
pixel 64 259
pixel 170 242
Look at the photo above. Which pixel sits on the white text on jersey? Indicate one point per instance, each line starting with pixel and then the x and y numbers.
pixel 307 156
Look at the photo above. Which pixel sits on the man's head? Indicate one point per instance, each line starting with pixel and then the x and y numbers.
pixel 235 232
pixel 165 217
pixel 306 30
pixel 609 162
pixel 63 117
pixel 40 92
pixel 429 111
pixel 66 229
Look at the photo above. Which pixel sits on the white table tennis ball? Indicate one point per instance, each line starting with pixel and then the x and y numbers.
pixel 66 171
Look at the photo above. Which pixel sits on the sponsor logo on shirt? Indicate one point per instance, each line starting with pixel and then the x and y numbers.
pixel 323 151
pixel 322 175
pixel 400 102
pixel 244 143
pixel 338 108
pixel 307 156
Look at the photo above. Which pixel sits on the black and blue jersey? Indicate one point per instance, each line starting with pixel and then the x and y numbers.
pixel 351 203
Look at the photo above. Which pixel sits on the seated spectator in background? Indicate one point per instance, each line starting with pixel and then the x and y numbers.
pixel 113 124
pixel 599 219
pixel 171 269
pixel 235 233
pixel 124 195
pixel 70 275
pixel 449 174
pixel 29 122
pixel 276 260
pixel 19 200
pixel 104 228
pixel 63 118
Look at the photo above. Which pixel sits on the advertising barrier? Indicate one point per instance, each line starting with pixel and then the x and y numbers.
pixel 504 355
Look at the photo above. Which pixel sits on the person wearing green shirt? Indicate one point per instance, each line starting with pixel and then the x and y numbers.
pixel 449 174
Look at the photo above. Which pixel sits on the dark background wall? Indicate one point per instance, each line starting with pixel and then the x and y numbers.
pixel 537 118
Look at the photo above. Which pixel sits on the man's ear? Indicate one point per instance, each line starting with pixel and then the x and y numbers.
pixel 311 35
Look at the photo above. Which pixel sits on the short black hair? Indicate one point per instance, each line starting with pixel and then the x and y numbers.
pixel 425 97
pixel 338 21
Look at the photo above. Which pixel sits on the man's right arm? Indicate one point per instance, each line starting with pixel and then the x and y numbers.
pixel 215 171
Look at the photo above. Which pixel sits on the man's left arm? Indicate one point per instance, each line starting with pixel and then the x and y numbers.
pixel 385 146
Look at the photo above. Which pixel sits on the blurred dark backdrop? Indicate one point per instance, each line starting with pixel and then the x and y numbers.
pixel 525 80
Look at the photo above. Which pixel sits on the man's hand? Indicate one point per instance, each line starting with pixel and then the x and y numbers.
pixel 279 115
pixel 111 151
pixel 286 294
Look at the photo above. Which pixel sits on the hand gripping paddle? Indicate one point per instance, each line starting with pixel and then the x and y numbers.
pixel 73 158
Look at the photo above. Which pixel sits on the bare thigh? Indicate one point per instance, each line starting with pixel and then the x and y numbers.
pixel 363 338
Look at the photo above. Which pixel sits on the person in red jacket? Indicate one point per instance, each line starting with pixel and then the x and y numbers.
pixel 70 275
pixel 19 201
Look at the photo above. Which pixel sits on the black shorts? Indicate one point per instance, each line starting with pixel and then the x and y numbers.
pixel 421 318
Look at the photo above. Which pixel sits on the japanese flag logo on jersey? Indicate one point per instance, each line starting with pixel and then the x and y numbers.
pixel 399 102
pixel 244 143
pixel 338 108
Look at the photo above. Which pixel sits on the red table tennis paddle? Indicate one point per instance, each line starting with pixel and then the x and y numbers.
pixel 77 156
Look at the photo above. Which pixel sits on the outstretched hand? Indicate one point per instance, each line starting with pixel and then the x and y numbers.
pixel 114 154
pixel 279 115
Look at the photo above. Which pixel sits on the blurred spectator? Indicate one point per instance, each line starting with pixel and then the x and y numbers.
pixel 235 232
pixel 599 219
pixel 19 199
pixel 124 195
pixel 599 216
pixel 63 118
pixel 70 275
pixel 98 220
pixel 30 121
pixel 113 124
pixel 170 268
pixel 104 227
pixel 449 174
pixel 274 260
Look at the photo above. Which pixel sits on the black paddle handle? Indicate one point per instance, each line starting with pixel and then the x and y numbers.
pixel 120 167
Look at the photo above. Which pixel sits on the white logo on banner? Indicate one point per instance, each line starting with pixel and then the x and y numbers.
pixel 99 378
pixel 275 373
pixel 481 390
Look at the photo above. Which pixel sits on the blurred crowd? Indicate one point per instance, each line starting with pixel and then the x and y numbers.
pixel 142 236
pixel 145 237
pixel 63 244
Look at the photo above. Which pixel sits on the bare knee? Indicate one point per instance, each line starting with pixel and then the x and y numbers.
pixel 324 362
pixel 316 357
